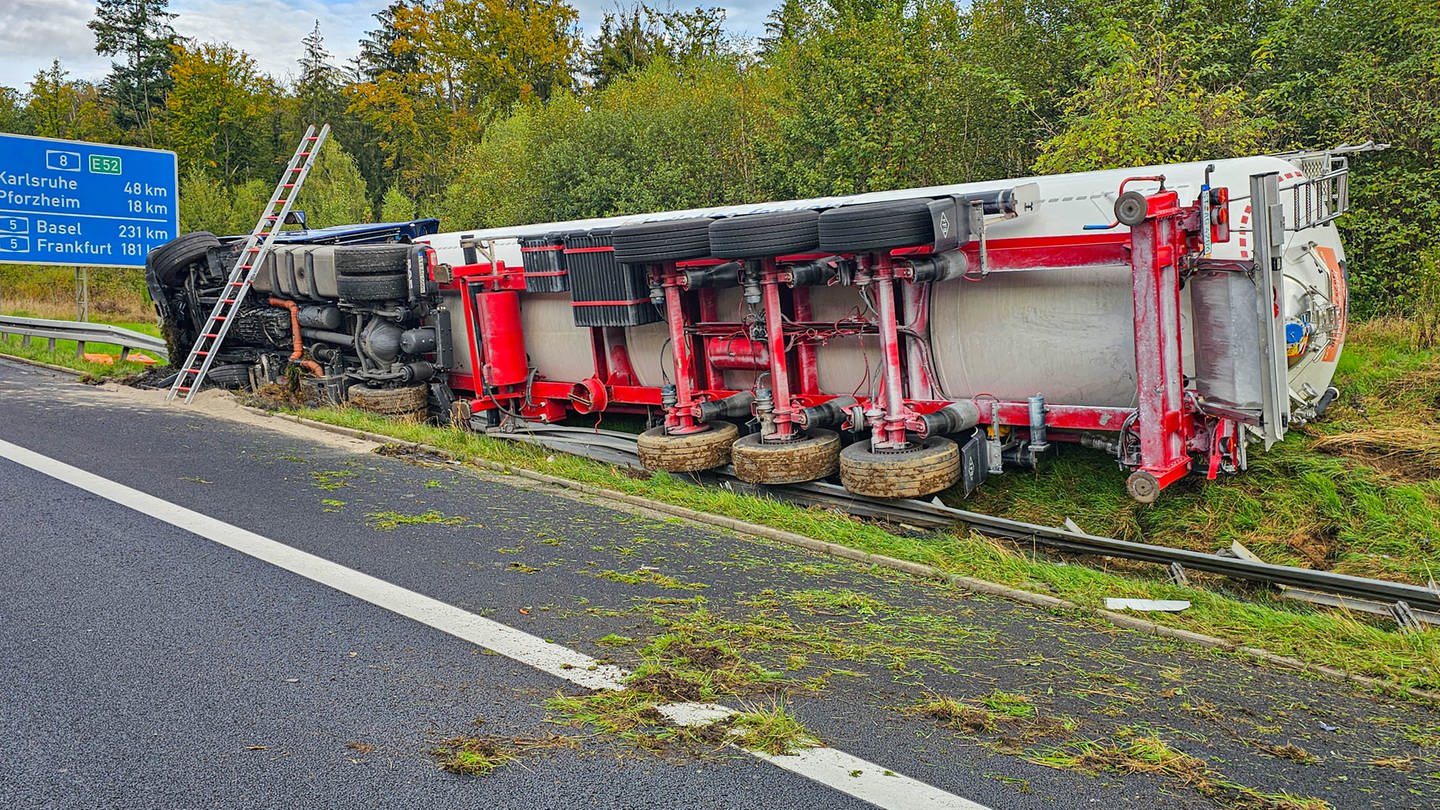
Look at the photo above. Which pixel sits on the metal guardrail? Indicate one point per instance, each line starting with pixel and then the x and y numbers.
pixel 82 332
pixel 1374 595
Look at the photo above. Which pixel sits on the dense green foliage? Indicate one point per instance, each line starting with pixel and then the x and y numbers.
pixel 492 113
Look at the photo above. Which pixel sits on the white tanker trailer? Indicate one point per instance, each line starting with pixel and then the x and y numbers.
pixel 912 340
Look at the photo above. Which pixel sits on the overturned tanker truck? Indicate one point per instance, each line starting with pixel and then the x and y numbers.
pixel 910 341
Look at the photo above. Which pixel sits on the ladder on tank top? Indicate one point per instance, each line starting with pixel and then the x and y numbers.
pixel 247 265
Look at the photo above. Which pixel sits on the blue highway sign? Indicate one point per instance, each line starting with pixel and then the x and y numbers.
pixel 76 203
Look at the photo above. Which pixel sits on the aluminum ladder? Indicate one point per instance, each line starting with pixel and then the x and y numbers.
pixel 247 265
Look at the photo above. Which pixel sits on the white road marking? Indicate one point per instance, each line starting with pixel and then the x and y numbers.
pixel 562 662
pixel 866 780
pixel 828 766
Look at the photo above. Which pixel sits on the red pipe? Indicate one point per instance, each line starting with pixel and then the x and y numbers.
pixel 309 365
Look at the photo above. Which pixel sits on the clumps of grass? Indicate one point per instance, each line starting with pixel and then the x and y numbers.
pixel 387 521
pixel 614 640
pixel 955 714
pixel 773 729
pixel 649 576
pixel 481 756
pixel 1152 756
pixel 1008 704
pixel 1289 751
pixel 837 601
pixel 685 666
pixel 330 479
pixel 522 567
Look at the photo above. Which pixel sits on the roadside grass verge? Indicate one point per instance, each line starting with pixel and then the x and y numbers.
pixel 1244 618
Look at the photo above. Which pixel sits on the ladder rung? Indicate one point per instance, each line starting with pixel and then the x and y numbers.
pixel 288 185
pixel 229 300
pixel 192 371
pixel 211 335
pixel 237 284
pixel 304 154
pixel 200 353
pixel 182 388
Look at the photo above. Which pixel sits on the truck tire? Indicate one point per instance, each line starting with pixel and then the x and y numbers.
pixel 809 458
pixel 391 287
pixel 926 468
pixel 759 236
pixel 688 452
pixel 231 376
pixel 372 260
pixel 876 226
pixel 390 401
pixel 171 261
pixel 665 241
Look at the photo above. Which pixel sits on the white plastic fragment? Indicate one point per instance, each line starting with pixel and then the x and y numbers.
pixel 1163 605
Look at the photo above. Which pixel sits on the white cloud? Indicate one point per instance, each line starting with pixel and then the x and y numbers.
pixel 35 32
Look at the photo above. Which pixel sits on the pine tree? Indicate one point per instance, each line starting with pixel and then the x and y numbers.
pixel 139 31
pixel 377 52
pixel 318 90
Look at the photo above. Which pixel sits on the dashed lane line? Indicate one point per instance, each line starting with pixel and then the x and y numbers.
pixel 828 766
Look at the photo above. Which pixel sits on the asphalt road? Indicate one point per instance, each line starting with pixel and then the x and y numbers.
pixel 143 666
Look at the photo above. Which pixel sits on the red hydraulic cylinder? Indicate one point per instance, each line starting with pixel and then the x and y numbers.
pixel 784 413
pixel 681 418
pixel 503 338
pixel 889 430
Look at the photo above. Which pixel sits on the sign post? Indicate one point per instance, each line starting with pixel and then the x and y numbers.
pixel 79 204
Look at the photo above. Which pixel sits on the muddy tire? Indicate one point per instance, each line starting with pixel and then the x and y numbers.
pixel 171 261
pixel 691 452
pixel 231 376
pixel 815 456
pixel 390 401
pixel 926 468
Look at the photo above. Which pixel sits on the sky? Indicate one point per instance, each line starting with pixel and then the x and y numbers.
pixel 35 32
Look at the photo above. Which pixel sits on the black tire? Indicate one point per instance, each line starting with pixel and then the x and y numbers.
pixel 876 226
pixel 758 236
pixel 808 458
pixel 372 260
pixel 925 468
pixel 231 376
pixel 666 241
pixel 407 401
pixel 373 288
pixel 171 261
pixel 687 452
